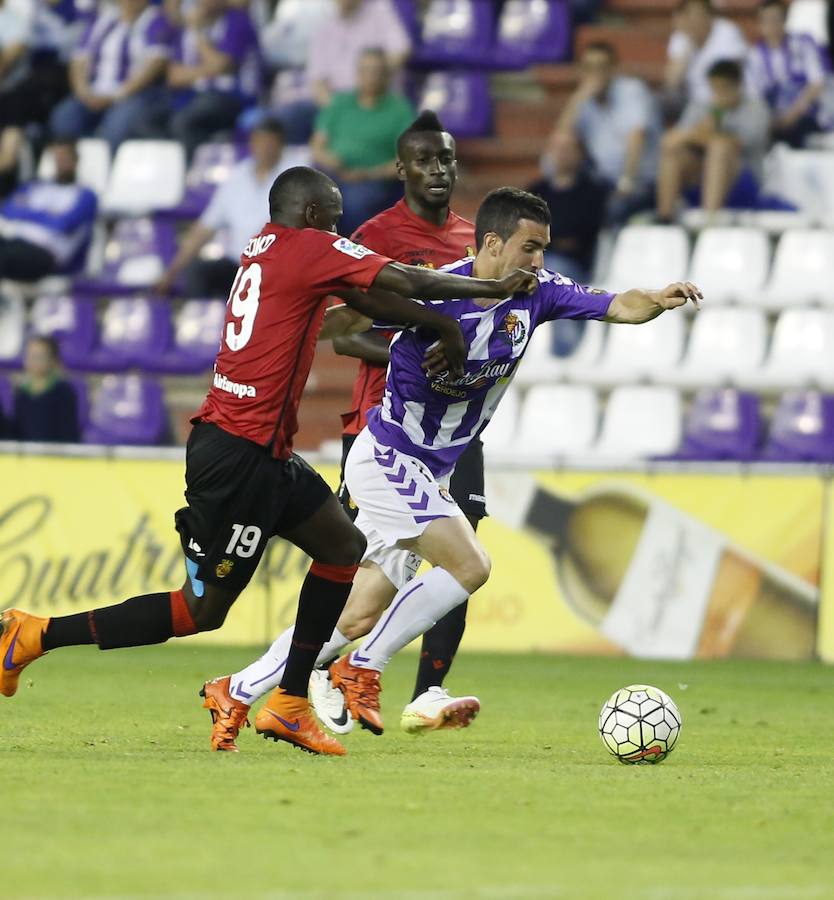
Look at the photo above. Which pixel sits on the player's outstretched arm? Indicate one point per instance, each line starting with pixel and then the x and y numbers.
pixel 431 284
pixel 637 306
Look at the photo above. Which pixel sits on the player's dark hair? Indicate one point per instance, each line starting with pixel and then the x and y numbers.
pixel 728 69
pixel 50 343
pixel 270 126
pixel 296 187
pixel 602 47
pixel 778 4
pixel 502 210
pixel 427 121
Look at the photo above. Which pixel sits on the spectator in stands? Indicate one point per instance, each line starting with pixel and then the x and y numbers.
pixel 618 121
pixel 577 207
pixel 46 226
pixel 216 72
pixel 786 71
pixel 286 39
pixel 718 145
pixel 116 73
pixel 335 50
pixel 699 40
pixel 45 405
pixel 15 36
pixel 238 209
pixel 356 137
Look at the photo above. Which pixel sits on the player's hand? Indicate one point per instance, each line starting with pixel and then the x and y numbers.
pixel 679 293
pixel 518 282
pixel 454 347
pixel 434 362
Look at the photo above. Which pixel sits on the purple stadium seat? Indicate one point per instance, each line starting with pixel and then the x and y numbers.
pixel 723 423
pixel 72 322
pixel 197 331
pixel 136 254
pixel 79 384
pixel 532 31
pixel 134 331
pixel 456 33
pixel 461 99
pixel 127 409
pixel 802 429
pixel 6 394
pixel 210 167
pixel 408 12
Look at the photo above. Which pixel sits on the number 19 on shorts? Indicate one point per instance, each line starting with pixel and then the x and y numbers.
pixel 245 540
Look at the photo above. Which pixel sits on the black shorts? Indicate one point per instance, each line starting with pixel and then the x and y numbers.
pixel 466 486
pixel 239 496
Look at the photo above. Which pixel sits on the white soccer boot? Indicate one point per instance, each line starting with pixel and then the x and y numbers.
pixel 435 709
pixel 329 703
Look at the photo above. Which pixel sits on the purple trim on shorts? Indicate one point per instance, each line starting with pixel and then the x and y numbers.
pixel 420 519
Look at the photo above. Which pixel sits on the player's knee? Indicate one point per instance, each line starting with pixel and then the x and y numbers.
pixel 473 571
pixel 210 610
pixel 351 549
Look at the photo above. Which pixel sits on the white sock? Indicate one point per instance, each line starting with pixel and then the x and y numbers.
pixel 266 673
pixel 416 607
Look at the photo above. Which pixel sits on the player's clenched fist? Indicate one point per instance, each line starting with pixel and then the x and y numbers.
pixel 519 281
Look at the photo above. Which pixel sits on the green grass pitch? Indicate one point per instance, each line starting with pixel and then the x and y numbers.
pixel 108 789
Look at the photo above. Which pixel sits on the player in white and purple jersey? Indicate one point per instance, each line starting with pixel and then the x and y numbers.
pixel 398 469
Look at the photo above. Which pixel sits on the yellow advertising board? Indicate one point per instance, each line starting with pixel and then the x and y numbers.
pixel 670 565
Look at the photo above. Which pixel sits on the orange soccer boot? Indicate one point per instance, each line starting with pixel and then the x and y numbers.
pixel 228 715
pixel 21 637
pixel 361 688
pixel 285 717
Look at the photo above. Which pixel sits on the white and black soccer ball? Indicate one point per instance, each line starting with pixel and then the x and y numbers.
pixel 639 724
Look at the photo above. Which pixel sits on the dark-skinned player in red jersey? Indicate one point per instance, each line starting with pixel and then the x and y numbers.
pixel 244 484
pixel 420 230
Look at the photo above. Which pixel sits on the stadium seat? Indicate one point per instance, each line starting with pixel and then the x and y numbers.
pixel 499 436
pixel 808 17
pixel 209 168
pixel 540 364
pixel 557 420
pixel 722 424
pixel 729 263
pixel 72 322
pixel 724 343
pixel 93 164
pixel 127 409
pixel 804 178
pixel 639 422
pixel 634 353
pixel 146 176
pixel 197 331
pixel 532 31
pixel 802 428
pixel 803 271
pixel 648 256
pixel 135 331
pixel 135 256
pixel 12 330
pixel 461 99
pixel 456 33
pixel 801 352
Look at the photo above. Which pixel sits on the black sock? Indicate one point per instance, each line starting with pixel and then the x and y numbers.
pixel 319 606
pixel 440 644
pixel 133 623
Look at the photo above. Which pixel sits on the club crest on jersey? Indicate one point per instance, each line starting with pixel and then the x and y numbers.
pixel 512 329
pixel 357 251
pixel 444 493
pixel 224 567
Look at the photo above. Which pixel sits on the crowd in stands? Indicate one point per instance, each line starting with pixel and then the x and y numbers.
pixel 333 82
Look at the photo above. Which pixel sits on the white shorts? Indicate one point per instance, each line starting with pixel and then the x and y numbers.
pixel 398 497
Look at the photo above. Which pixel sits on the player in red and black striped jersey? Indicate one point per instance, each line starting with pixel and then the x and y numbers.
pixel 244 484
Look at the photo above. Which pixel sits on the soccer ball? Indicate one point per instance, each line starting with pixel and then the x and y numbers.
pixel 639 724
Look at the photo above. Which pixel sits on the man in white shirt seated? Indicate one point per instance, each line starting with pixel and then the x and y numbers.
pixel 700 39
pixel 238 209
pixel 46 226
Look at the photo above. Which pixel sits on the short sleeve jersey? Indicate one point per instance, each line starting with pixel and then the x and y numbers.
pixel 435 419
pixel 273 319
pixel 402 235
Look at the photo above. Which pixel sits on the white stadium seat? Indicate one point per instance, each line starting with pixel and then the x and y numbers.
pixel 637 352
pixel 803 270
pixel 648 256
pixel 808 17
pixel 12 327
pixel 801 352
pixel 804 178
pixel 724 343
pixel 729 263
pixel 539 364
pixel 557 419
pixel 146 176
pixel 500 435
pixel 93 164
pixel 638 422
